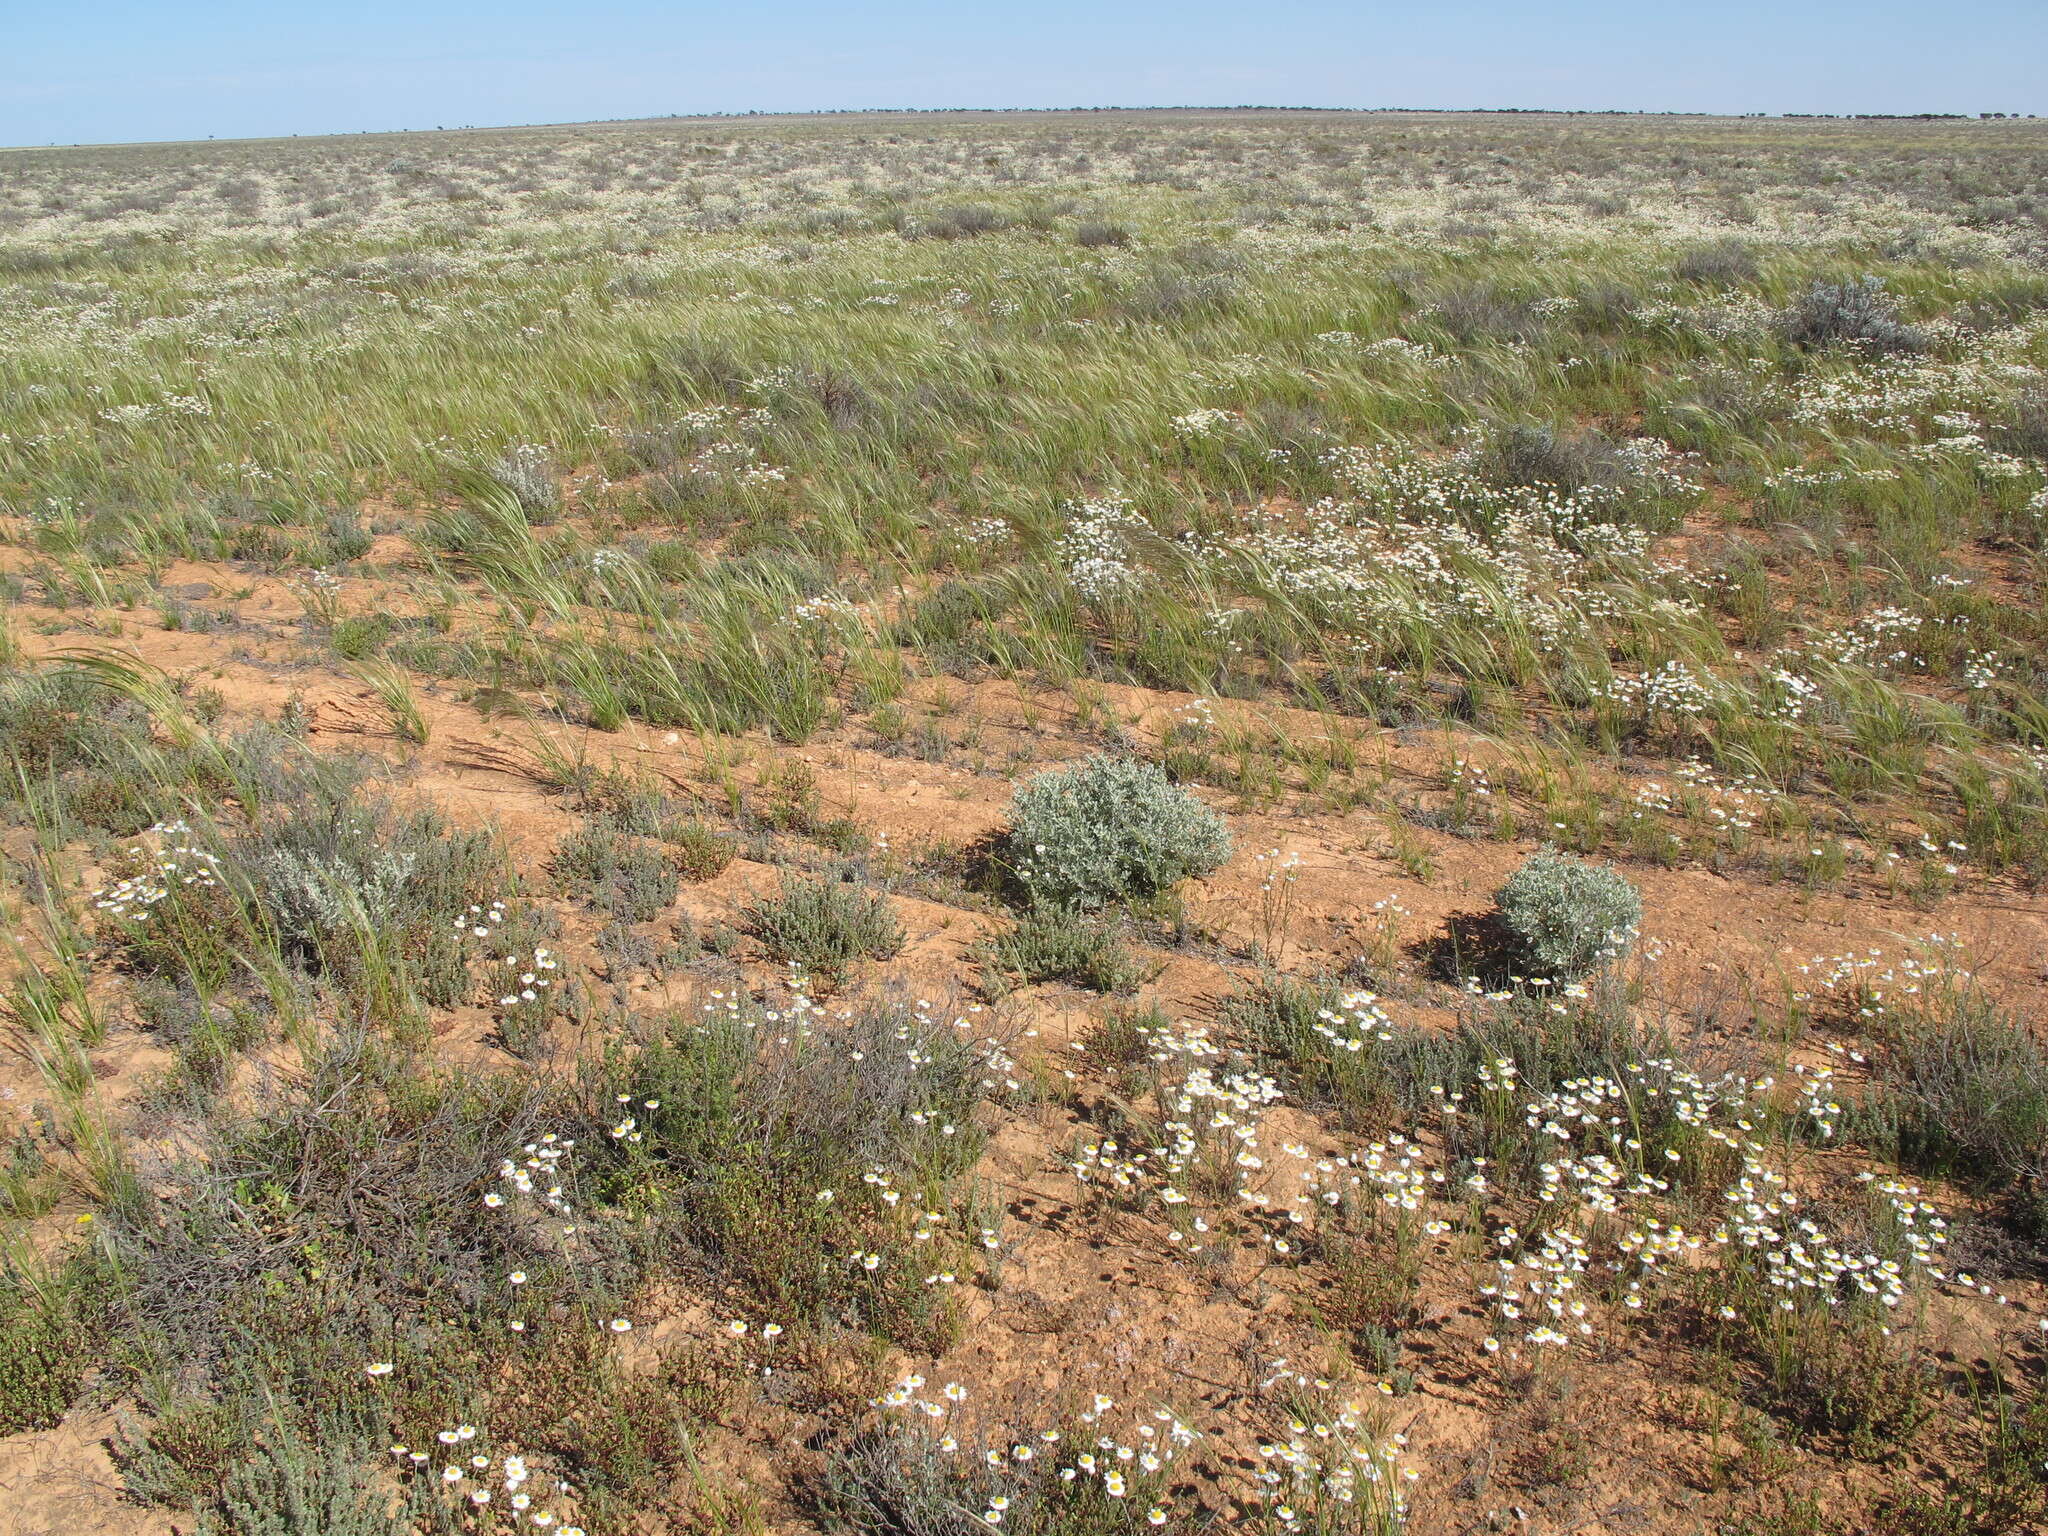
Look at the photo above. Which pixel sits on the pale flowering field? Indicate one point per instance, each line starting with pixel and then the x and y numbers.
pixel 1071 823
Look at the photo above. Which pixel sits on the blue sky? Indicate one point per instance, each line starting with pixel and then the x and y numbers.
pixel 122 70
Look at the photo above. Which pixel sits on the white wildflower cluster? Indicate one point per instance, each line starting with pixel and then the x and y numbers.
pixel 1809 477
pixel 320 591
pixel 470 1476
pixel 734 464
pixel 1399 349
pixel 1208 1133
pixel 51 512
pixel 1196 719
pixel 1388 1184
pixel 1915 398
pixel 1237 368
pixel 1981 670
pixel 1816 1095
pixel 627 1127
pixel 1731 805
pixel 537 1174
pixel 1536 1291
pixel 1866 985
pixel 723 421
pixel 777 383
pixel 1622 1147
pixel 1785 696
pixel 1796 1258
pixel 1275 869
pixel 528 976
pixel 828 612
pixel 1096 549
pixel 799 1020
pixel 1357 1020
pixel 1205 422
pixel 527 472
pixel 1654 467
pixel 1971 449
pixel 1873 641
pixel 321 582
pixel 905 1212
pixel 1335 1472
pixel 176 862
pixel 480 921
pixel 1010 1465
pixel 1672 692
pixel 1424 543
pixel 985 532
pixel 140 413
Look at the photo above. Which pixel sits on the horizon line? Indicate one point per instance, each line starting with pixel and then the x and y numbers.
pixel 961 111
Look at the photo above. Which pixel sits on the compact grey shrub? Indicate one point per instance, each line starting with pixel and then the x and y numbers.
pixel 2024 431
pixel 1527 454
pixel 1860 311
pixel 311 893
pixel 295 1485
pixel 1093 234
pixel 1109 828
pixel 962 223
pixel 1568 916
pixel 1724 264
pixel 1481 312
pixel 527 470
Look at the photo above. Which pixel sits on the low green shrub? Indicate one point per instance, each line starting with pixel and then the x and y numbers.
pixel 825 925
pixel 1060 944
pixel 628 877
pixel 49 1325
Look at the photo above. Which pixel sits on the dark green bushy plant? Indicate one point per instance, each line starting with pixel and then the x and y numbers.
pixel 738 1131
